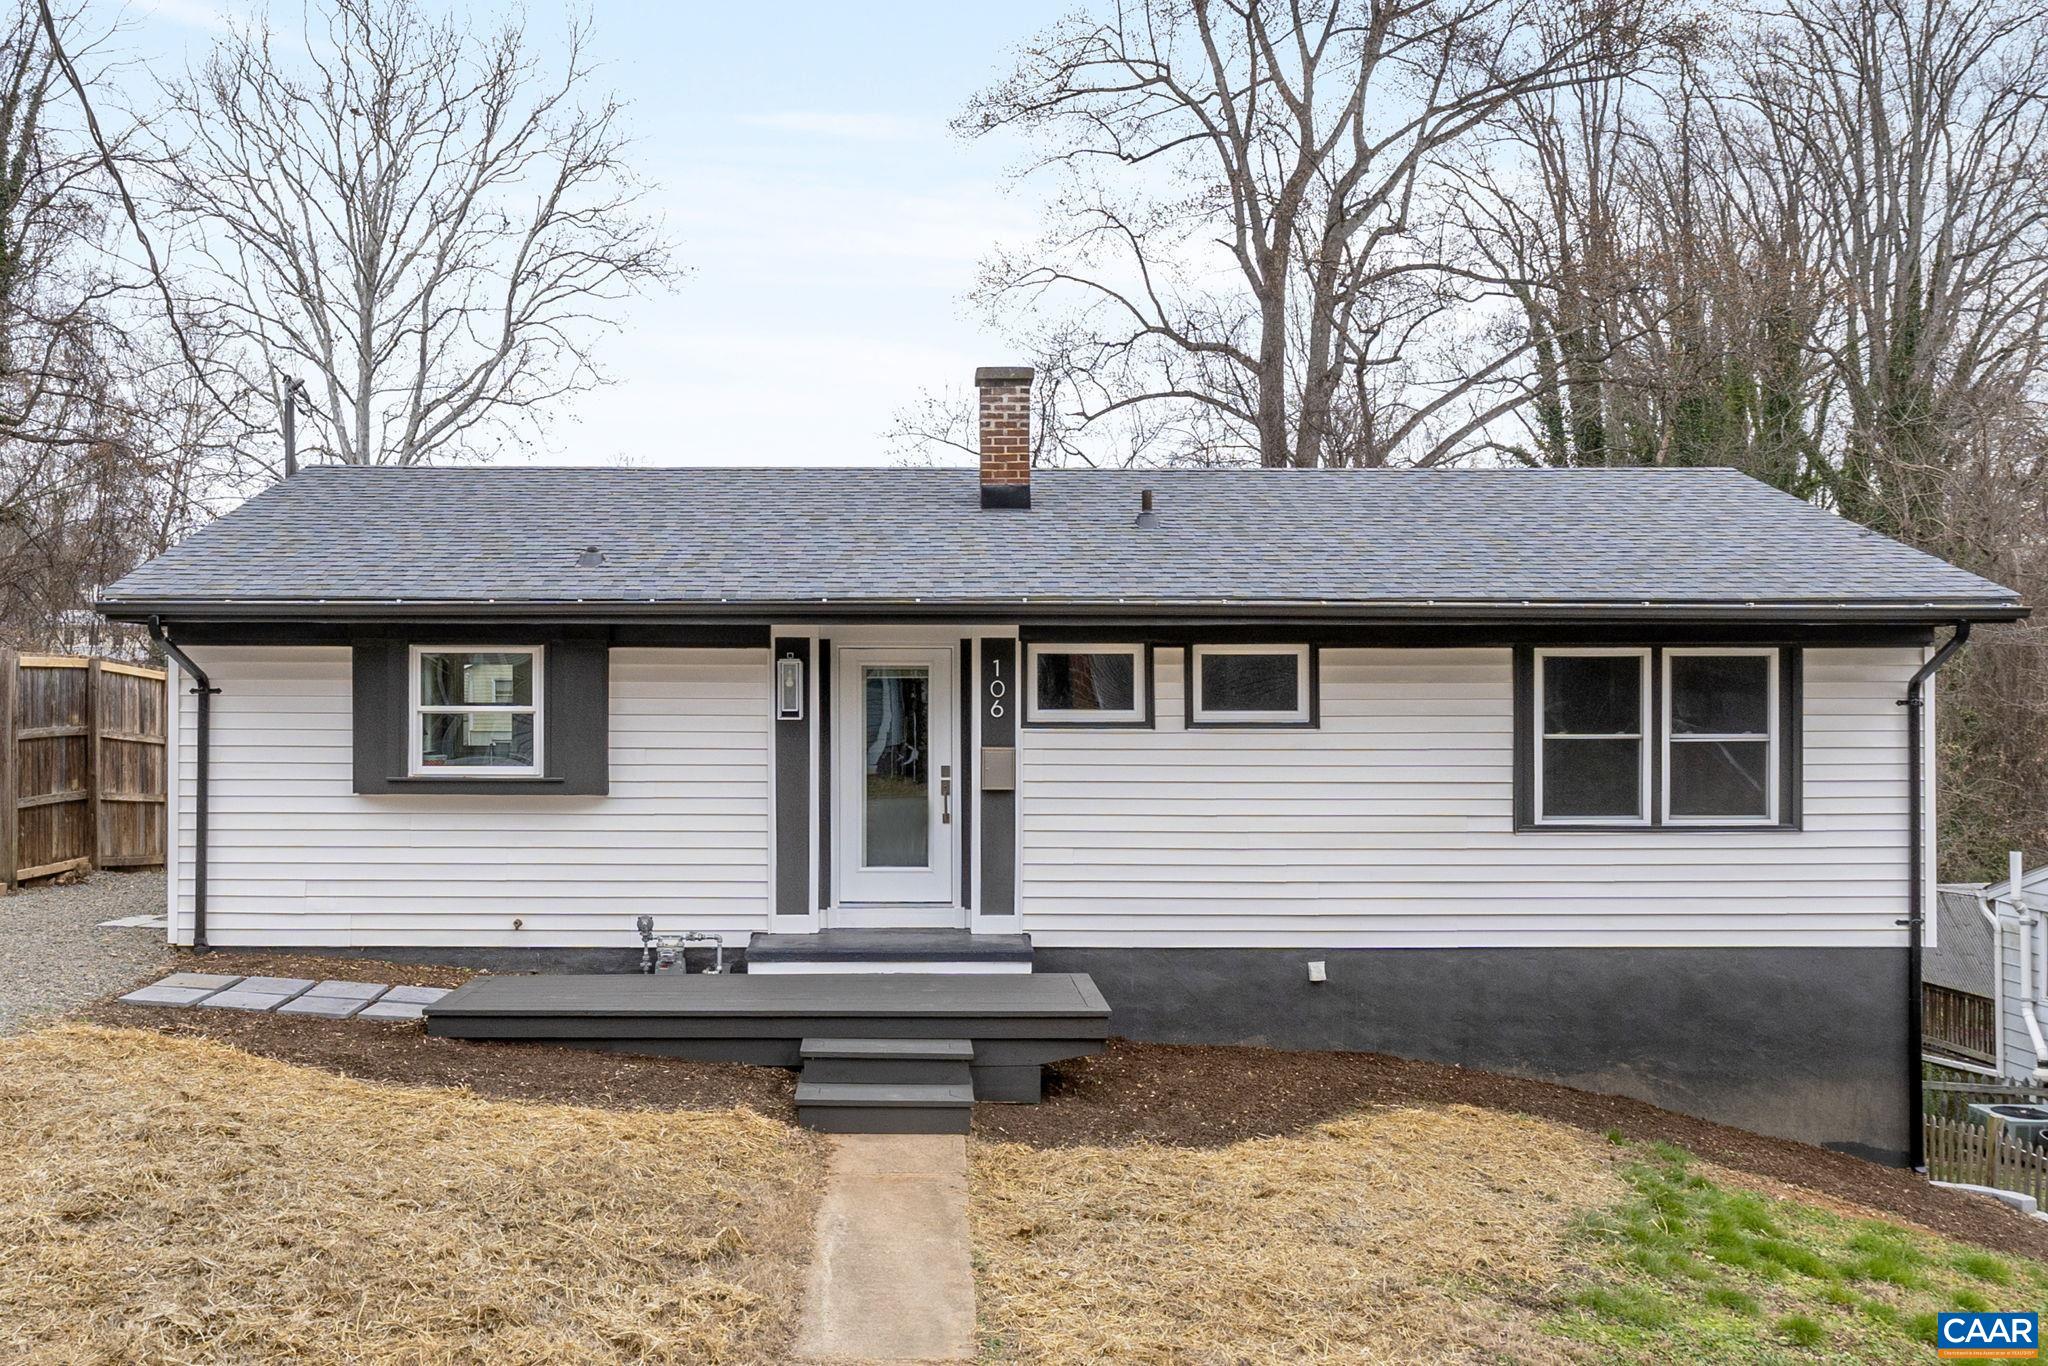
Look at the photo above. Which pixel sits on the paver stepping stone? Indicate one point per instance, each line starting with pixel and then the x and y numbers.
pixel 241 998
pixel 354 991
pixel 424 996
pixel 281 986
pixel 388 1009
pixel 325 1007
pixel 204 981
pixel 161 995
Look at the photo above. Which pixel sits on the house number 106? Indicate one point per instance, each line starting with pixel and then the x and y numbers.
pixel 996 688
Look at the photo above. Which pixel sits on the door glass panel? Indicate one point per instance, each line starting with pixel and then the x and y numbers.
pixel 896 759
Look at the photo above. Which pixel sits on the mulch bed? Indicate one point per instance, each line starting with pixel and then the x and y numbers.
pixel 1187 1095
pixel 1180 1095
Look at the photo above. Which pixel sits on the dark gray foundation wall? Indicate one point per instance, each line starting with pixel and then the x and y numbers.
pixel 1802 1043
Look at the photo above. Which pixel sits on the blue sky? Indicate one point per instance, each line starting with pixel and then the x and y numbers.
pixel 830 222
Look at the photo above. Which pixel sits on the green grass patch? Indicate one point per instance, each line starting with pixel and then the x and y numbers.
pixel 1801 1331
pixel 1983 1266
pixel 1629 1304
pixel 1684 1269
pixel 1733 1300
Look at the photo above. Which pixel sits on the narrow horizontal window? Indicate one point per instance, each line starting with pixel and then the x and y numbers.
pixel 1087 683
pixel 1236 685
pixel 1592 754
pixel 476 711
pixel 1721 736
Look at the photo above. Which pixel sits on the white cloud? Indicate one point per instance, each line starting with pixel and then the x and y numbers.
pixel 852 127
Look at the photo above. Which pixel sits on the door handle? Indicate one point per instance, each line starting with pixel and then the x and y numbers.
pixel 945 794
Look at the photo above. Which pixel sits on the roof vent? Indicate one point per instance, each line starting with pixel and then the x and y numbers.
pixel 1146 516
pixel 591 558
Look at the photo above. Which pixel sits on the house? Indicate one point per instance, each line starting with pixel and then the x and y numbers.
pixel 2014 917
pixel 1958 982
pixel 1599 775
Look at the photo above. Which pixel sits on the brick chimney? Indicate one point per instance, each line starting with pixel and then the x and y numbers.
pixel 1005 392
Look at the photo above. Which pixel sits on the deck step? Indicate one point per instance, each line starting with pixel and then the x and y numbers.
pixel 901 1062
pixel 884 1107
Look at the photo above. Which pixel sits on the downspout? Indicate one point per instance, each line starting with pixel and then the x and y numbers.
pixel 204 690
pixel 1915 703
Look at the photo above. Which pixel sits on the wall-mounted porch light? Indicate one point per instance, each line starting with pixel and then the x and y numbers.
pixel 789 689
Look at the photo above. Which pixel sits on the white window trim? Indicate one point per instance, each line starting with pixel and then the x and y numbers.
pixel 1773 719
pixel 416 765
pixel 1642 735
pixel 1297 715
pixel 1140 690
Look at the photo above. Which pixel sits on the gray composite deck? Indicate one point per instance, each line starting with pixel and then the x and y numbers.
pixel 1015 1023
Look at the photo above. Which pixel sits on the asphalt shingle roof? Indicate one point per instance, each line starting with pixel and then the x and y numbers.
pixel 1340 537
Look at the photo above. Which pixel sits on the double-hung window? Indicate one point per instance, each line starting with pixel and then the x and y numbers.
pixel 1721 737
pixel 1667 736
pixel 1593 745
pixel 1087 685
pixel 476 712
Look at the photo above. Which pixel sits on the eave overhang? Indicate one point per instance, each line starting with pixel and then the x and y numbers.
pixel 592 611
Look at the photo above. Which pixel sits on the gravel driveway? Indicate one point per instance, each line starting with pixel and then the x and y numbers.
pixel 53 955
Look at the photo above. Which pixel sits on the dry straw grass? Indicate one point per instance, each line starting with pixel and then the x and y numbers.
pixel 1397 1235
pixel 177 1200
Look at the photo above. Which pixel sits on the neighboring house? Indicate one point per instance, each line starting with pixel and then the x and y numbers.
pixel 2018 907
pixel 1959 981
pixel 1598 775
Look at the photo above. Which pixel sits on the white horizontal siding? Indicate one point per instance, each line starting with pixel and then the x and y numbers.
pixel 297 857
pixel 1392 824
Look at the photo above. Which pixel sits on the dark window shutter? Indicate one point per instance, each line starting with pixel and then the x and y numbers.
pixel 576 711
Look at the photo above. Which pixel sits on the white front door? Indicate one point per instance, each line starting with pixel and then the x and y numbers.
pixel 898 799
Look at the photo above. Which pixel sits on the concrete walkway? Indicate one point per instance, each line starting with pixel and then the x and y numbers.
pixel 891 1277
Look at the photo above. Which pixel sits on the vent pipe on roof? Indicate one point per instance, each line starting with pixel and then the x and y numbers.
pixel 1146 516
pixel 590 558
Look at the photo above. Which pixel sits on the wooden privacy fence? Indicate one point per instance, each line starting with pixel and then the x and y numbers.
pixel 81 765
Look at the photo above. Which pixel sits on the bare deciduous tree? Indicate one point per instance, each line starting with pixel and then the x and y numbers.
pixel 99 455
pixel 427 225
pixel 1249 240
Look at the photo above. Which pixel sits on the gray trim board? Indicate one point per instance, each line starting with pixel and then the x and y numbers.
pixel 823 728
pixel 968 770
pixel 999 809
pixel 793 797
pixel 1501 622
pixel 1801 1043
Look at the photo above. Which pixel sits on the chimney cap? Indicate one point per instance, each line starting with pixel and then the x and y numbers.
pixel 1000 374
